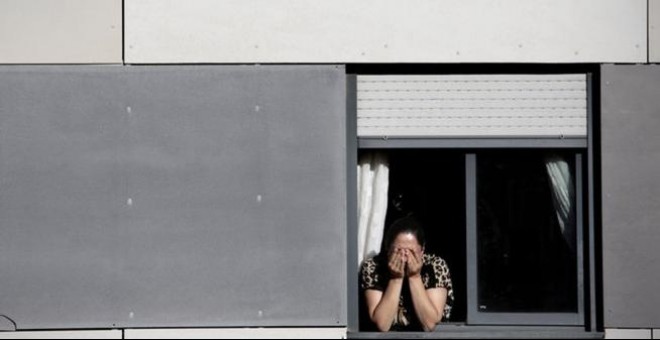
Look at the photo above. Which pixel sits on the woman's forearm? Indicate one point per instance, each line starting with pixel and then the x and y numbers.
pixel 424 309
pixel 384 313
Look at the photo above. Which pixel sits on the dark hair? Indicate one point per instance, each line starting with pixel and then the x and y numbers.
pixel 408 225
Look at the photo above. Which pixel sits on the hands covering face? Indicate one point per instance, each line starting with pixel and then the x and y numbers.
pixel 414 262
pixel 405 262
pixel 397 263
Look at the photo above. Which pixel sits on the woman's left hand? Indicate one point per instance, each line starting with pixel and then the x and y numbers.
pixel 414 261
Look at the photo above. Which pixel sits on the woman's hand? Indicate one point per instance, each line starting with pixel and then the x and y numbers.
pixel 397 264
pixel 383 306
pixel 414 262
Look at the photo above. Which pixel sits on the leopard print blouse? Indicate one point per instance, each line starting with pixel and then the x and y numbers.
pixel 374 274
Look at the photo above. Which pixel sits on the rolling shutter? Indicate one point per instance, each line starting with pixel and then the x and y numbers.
pixel 493 106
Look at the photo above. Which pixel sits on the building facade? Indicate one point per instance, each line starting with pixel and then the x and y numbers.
pixel 194 168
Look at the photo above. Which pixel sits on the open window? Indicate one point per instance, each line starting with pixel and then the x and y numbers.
pixel 498 169
pixel 429 184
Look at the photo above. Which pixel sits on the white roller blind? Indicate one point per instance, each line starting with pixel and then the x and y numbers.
pixel 506 106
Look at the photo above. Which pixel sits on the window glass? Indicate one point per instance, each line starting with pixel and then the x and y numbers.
pixel 526 232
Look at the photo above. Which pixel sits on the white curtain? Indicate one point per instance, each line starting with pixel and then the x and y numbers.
pixel 563 196
pixel 373 182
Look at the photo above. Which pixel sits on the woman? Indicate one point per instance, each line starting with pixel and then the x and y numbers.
pixel 406 289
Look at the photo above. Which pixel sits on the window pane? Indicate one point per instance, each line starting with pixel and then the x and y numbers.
pixel 526 230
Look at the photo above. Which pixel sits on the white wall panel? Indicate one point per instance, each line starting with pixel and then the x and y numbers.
pixel 472 106
pixel 62 31
pixel 624 333
pixel 246 31
pixel 237 333
pixel 654 31
pixel 105 334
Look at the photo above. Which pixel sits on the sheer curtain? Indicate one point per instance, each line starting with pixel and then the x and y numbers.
pixel 373 182
pixel 563 196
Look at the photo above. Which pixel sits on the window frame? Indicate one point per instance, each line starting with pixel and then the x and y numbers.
pixel 585 322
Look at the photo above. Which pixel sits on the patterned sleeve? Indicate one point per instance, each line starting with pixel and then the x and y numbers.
pixel 441 274
pixel 369 276
pixel 441 278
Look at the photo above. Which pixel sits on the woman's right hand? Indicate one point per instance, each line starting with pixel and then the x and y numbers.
pixel 397 264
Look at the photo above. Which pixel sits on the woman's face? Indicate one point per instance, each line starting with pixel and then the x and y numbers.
pixel 406 241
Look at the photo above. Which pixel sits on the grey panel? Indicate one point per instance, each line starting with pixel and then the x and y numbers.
pixel 61 188
pixel 631 195
pixel 173 196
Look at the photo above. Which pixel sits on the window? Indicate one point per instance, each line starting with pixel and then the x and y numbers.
pixel 526 233
pixel 507 209
pixel 509 216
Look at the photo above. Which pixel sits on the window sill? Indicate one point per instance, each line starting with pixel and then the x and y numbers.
pixel 493 332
